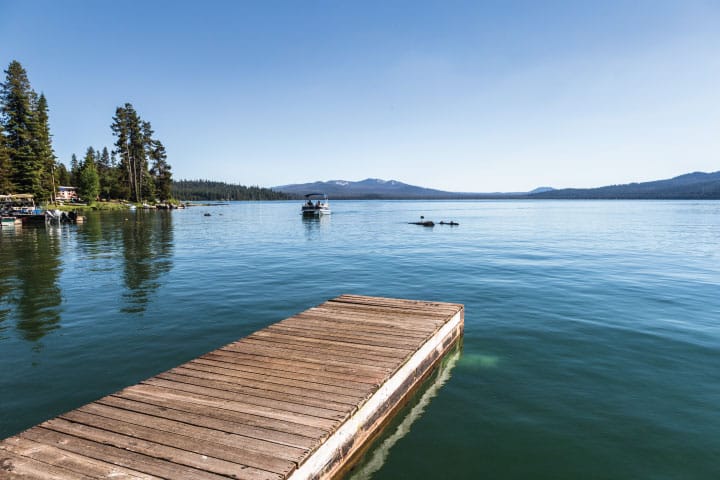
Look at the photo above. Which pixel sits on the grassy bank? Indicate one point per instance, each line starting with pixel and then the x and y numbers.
pixel 73 207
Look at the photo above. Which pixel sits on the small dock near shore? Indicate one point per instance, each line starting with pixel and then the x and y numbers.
pixel 300 399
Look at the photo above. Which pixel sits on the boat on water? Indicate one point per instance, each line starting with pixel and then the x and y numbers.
pixel 316 204
pixel 58 217
pixel 20 209
pixel 21 206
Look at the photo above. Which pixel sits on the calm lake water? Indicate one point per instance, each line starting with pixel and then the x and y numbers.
pixel 592 334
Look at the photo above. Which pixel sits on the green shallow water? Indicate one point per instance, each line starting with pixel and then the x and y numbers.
pixel 592 336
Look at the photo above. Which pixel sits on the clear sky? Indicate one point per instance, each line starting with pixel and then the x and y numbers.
pixel 461 96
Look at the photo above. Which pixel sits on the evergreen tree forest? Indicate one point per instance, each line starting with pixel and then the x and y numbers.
pixel 135 170
pixel 209 190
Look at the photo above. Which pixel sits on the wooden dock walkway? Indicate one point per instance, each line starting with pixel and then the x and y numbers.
pixel 296 400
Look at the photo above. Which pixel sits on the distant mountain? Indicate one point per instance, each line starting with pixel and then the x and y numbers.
pixel 697 185
pixel 541 190
pixel 369 188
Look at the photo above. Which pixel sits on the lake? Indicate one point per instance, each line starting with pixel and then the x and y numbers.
pixel 592 328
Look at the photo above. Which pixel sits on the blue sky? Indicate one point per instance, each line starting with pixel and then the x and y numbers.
pixel 462 96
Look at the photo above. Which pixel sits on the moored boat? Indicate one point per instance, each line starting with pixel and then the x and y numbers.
pixel 320 205
pixel 22 206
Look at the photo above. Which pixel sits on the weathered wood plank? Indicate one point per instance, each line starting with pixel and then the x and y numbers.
pixel 15 467
pixel 364 355
pixel 389 310
pixel 347 336
pixel 405 304
pixel 401 319
pixel 204 417
pixel 383 336
pixel 180 451
pixel 269 451
pixel 198 395
pixel 403 326
pixel 326 369
pixel 387 354
pixel 268 403
pixel 78 464
pixel 269 349
pixel 281 368
pixel 309 352
pixel 90 421
pixel 323 366
pixel 222 411
pixel 341 392
pixel 161 467
pixel 309 388
pixel 227 383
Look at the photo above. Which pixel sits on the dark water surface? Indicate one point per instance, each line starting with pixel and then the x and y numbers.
pixel 592 341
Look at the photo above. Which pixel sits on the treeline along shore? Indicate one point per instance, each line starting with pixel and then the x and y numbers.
pixel 215 191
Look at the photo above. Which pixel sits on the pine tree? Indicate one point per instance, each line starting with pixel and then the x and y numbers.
pixel 105 172
pixel 74 171
pixel 17 102
pixel 62 176
pixel 146 184
pixel 89 184
pixel 130 146
pixel 160 171
pixel 135 147
pixel 42 140
pixel 6 186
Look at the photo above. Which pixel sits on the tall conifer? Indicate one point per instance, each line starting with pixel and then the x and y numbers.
pixel 125 127
pixel 42 141
pixel 133 136
pixel 160 171
pixel 18 118
pixel 6 185
pixel 74 170
pixel 89 182
pixel 62 176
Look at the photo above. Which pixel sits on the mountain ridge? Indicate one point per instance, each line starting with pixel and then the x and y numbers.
pixel 695 185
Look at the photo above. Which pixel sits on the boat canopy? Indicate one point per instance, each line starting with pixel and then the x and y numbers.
pixel 21 199
pixel 316 195
pixel 17 196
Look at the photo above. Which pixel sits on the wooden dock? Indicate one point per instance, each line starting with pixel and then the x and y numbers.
pixel 296 400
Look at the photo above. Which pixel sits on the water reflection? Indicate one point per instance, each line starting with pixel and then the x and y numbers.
pixel 5 277
pixel 147 251
pixel 378 454
pixel 139 247
pixel 100 238
pixel 314 225
pixel 30 267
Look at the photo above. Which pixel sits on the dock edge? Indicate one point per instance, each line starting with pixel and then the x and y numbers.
pixel 339 451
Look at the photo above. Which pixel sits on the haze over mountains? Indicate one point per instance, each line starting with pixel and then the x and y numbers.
pixel 697 185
